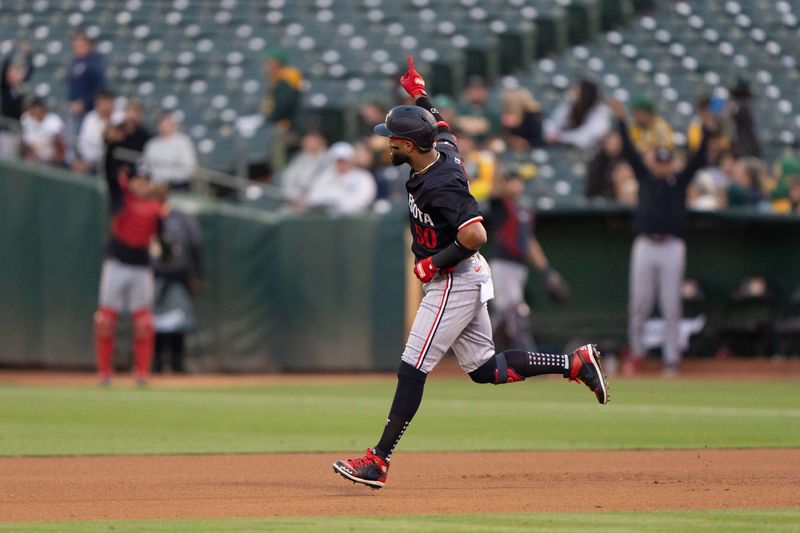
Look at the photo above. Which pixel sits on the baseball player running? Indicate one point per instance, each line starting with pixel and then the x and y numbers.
pixel 126 282
pixel 447 233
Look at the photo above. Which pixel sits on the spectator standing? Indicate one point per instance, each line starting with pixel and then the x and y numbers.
pixel 129 134
pixel 648 130
pixel 92 133
pixel 658 257
pixel 511 225
pixel 304 168
pixel 42 135
pixel 178 277
pixel 85 78
pixel 170 155
pixel 16 70
pixel 282 102
pixel 342 188
pixel 745 142
pixel 581 120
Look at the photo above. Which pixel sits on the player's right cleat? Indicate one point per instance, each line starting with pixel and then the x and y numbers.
pixel 585 367
pixel 371 470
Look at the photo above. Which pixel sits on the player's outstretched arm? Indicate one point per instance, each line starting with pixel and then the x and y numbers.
pixel 629 151
pixel 414 84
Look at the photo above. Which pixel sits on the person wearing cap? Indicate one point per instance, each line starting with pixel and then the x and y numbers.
pixel 281 104
pixel 511 224
pixel 343 188
pixel 475 114
pixel 658 257
pixel 649 130
pixel 283 101
pixel 42 134
pixel 126 281
pixel 447 232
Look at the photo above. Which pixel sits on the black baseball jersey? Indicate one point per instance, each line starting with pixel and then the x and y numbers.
pixel 439 201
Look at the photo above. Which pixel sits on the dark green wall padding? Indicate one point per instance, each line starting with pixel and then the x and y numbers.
pixel 325 294
pixel 285 294
pixel 591 249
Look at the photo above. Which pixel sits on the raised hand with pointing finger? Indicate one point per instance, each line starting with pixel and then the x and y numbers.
pixel 412 81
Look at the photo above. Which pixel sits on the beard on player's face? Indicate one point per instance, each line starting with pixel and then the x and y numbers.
pixel 399 159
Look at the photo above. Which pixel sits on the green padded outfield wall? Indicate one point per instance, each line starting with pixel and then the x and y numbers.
pixel 302 294
pixel 316 293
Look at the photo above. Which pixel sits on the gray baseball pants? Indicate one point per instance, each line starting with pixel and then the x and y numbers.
pixel 453 314
pixel 656 265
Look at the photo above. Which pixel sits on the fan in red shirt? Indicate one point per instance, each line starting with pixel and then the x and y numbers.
pixel 126 283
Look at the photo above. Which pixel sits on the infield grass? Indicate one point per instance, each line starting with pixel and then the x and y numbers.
pixel 297 416
pixel 773 520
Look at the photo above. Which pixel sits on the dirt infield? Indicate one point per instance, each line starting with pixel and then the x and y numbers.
pixel 139 487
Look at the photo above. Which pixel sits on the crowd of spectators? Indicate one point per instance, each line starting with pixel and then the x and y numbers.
pixel 489 122
pixel 97 123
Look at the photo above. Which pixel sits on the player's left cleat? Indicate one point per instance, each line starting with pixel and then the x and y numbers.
pixel 585 367
pixel 371 470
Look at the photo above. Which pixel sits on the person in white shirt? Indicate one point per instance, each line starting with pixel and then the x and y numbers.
pixel 93 127
pixel 581 120
pixel 42 134
pixel 170 155
pixel 342 188
pixel 304 168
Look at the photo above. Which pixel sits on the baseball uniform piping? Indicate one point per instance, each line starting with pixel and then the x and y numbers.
pixel 429 339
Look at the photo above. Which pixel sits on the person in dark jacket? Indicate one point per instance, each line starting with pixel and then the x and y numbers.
pixel 16 70
pixel 85 78
pixel 130 134
pixel 741 114
pixel 658 257
pixel 178 276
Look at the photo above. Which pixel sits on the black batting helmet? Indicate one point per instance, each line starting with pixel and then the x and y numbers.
pixel 409 122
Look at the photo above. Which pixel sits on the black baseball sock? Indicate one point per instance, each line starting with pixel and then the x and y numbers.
pixel 516 365
pixel 528 364
pixel 407 397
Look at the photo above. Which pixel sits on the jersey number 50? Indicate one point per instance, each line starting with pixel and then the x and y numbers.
pixel 425 237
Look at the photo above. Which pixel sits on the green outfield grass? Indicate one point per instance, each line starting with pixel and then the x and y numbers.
pixel 773 520
pixel 455 415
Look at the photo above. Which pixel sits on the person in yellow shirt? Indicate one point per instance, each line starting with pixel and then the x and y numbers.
pixel 281 105
pixel 709 114
pixel 648 130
